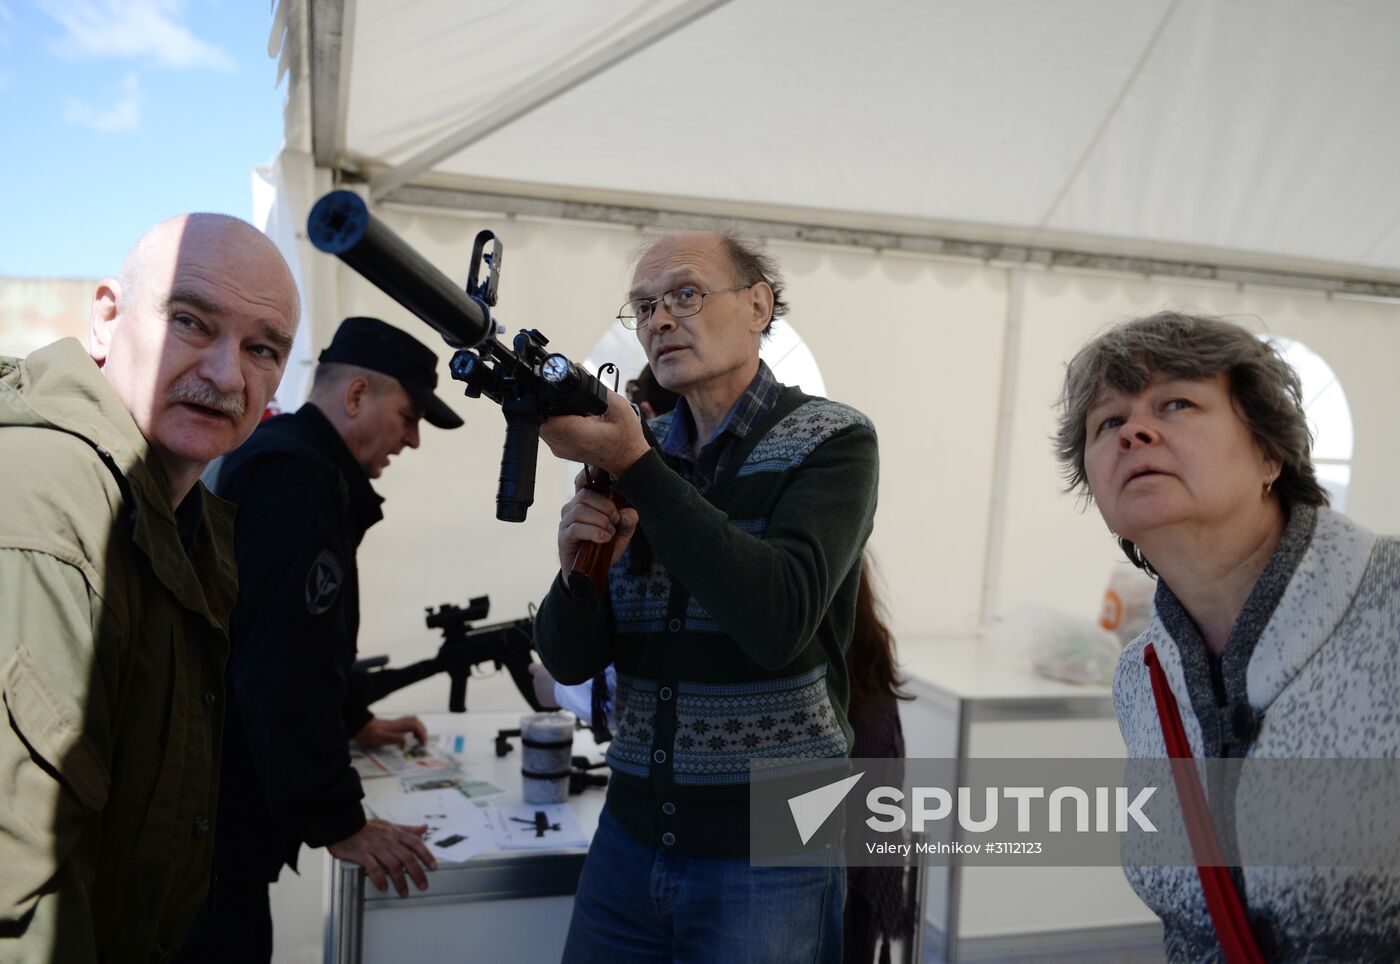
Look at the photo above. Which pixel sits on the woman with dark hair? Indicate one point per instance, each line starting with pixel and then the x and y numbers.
pixel 1275 622
pixel 877 906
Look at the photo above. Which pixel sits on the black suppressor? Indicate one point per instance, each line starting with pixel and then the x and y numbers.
pixel 529 383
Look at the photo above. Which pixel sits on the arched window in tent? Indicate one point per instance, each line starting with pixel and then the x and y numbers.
pixel 784 351
pixel 1329 417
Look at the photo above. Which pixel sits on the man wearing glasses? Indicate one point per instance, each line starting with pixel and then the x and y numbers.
pixel 728 609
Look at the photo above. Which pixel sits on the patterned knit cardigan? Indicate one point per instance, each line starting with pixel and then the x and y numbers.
pixel 1322 676
pixel 731 645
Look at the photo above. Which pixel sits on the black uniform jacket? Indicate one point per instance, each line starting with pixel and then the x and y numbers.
pixel 304 504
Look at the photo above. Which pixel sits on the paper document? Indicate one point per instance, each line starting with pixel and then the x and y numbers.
pixel 457 831
pixel 431 780
pixel 383 761
pixel 478 788
pixel 528 826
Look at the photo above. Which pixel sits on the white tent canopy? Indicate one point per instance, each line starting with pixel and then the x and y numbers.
pixel 1260 134
pixel 959 191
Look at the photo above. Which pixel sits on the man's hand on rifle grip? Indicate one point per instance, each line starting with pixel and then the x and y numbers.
pixel 612 441
pixel 591 517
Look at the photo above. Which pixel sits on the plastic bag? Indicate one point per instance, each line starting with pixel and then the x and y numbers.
pixel 1127 602
pixel 1058 646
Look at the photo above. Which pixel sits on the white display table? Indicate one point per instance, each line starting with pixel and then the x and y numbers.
pixel 970 703
pixel 500 906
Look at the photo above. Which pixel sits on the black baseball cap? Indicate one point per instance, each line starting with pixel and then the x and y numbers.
pixel 379 346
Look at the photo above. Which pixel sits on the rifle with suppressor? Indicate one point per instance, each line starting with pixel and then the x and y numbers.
pixel 506 644
pixel 528 382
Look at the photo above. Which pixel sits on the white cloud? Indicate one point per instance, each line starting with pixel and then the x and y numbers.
pixel 120 118
pixel 147 30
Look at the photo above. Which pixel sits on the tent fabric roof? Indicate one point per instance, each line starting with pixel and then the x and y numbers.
pixel 1263 132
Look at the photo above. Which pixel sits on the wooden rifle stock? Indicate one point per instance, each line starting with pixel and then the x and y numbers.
pixel 588 576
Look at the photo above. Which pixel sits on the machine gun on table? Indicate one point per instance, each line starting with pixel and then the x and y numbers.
pixel 464 646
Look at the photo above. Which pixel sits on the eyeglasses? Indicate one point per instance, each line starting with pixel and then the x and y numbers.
pixel 680 302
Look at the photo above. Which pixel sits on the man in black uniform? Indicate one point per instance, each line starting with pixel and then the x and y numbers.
pixel 302 486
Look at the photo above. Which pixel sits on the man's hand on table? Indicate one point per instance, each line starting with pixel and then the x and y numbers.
pixel 388 850
pixel 379 732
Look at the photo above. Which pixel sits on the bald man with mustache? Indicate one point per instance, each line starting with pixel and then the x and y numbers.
pixel 116 584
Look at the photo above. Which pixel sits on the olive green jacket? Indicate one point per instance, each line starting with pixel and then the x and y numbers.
pixel 112 648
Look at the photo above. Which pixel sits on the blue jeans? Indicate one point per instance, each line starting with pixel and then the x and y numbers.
pixel 637 903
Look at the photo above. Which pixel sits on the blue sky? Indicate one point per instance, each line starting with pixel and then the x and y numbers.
pixel 117 113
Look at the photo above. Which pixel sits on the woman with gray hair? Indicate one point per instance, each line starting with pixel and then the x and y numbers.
pixel 1275 624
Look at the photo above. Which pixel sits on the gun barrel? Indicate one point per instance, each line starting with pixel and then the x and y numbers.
pixel 373 684
pixel 341 224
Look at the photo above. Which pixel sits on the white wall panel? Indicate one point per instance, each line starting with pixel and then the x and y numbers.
pixel 440 540
pixel 1057 556
pixel 916 345
pixel 914 342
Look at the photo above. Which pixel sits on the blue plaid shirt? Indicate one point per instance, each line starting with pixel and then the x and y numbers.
pixel 758 399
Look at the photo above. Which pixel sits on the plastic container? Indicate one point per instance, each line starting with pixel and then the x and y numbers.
pixel 547 742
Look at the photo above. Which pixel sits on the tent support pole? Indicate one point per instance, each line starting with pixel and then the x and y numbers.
pixel 332 23
pixel 1001 465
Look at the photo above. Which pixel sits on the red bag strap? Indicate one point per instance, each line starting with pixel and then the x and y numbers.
pixel 1222 900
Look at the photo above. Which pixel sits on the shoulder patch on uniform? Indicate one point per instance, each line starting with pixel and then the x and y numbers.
pixel 323 582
